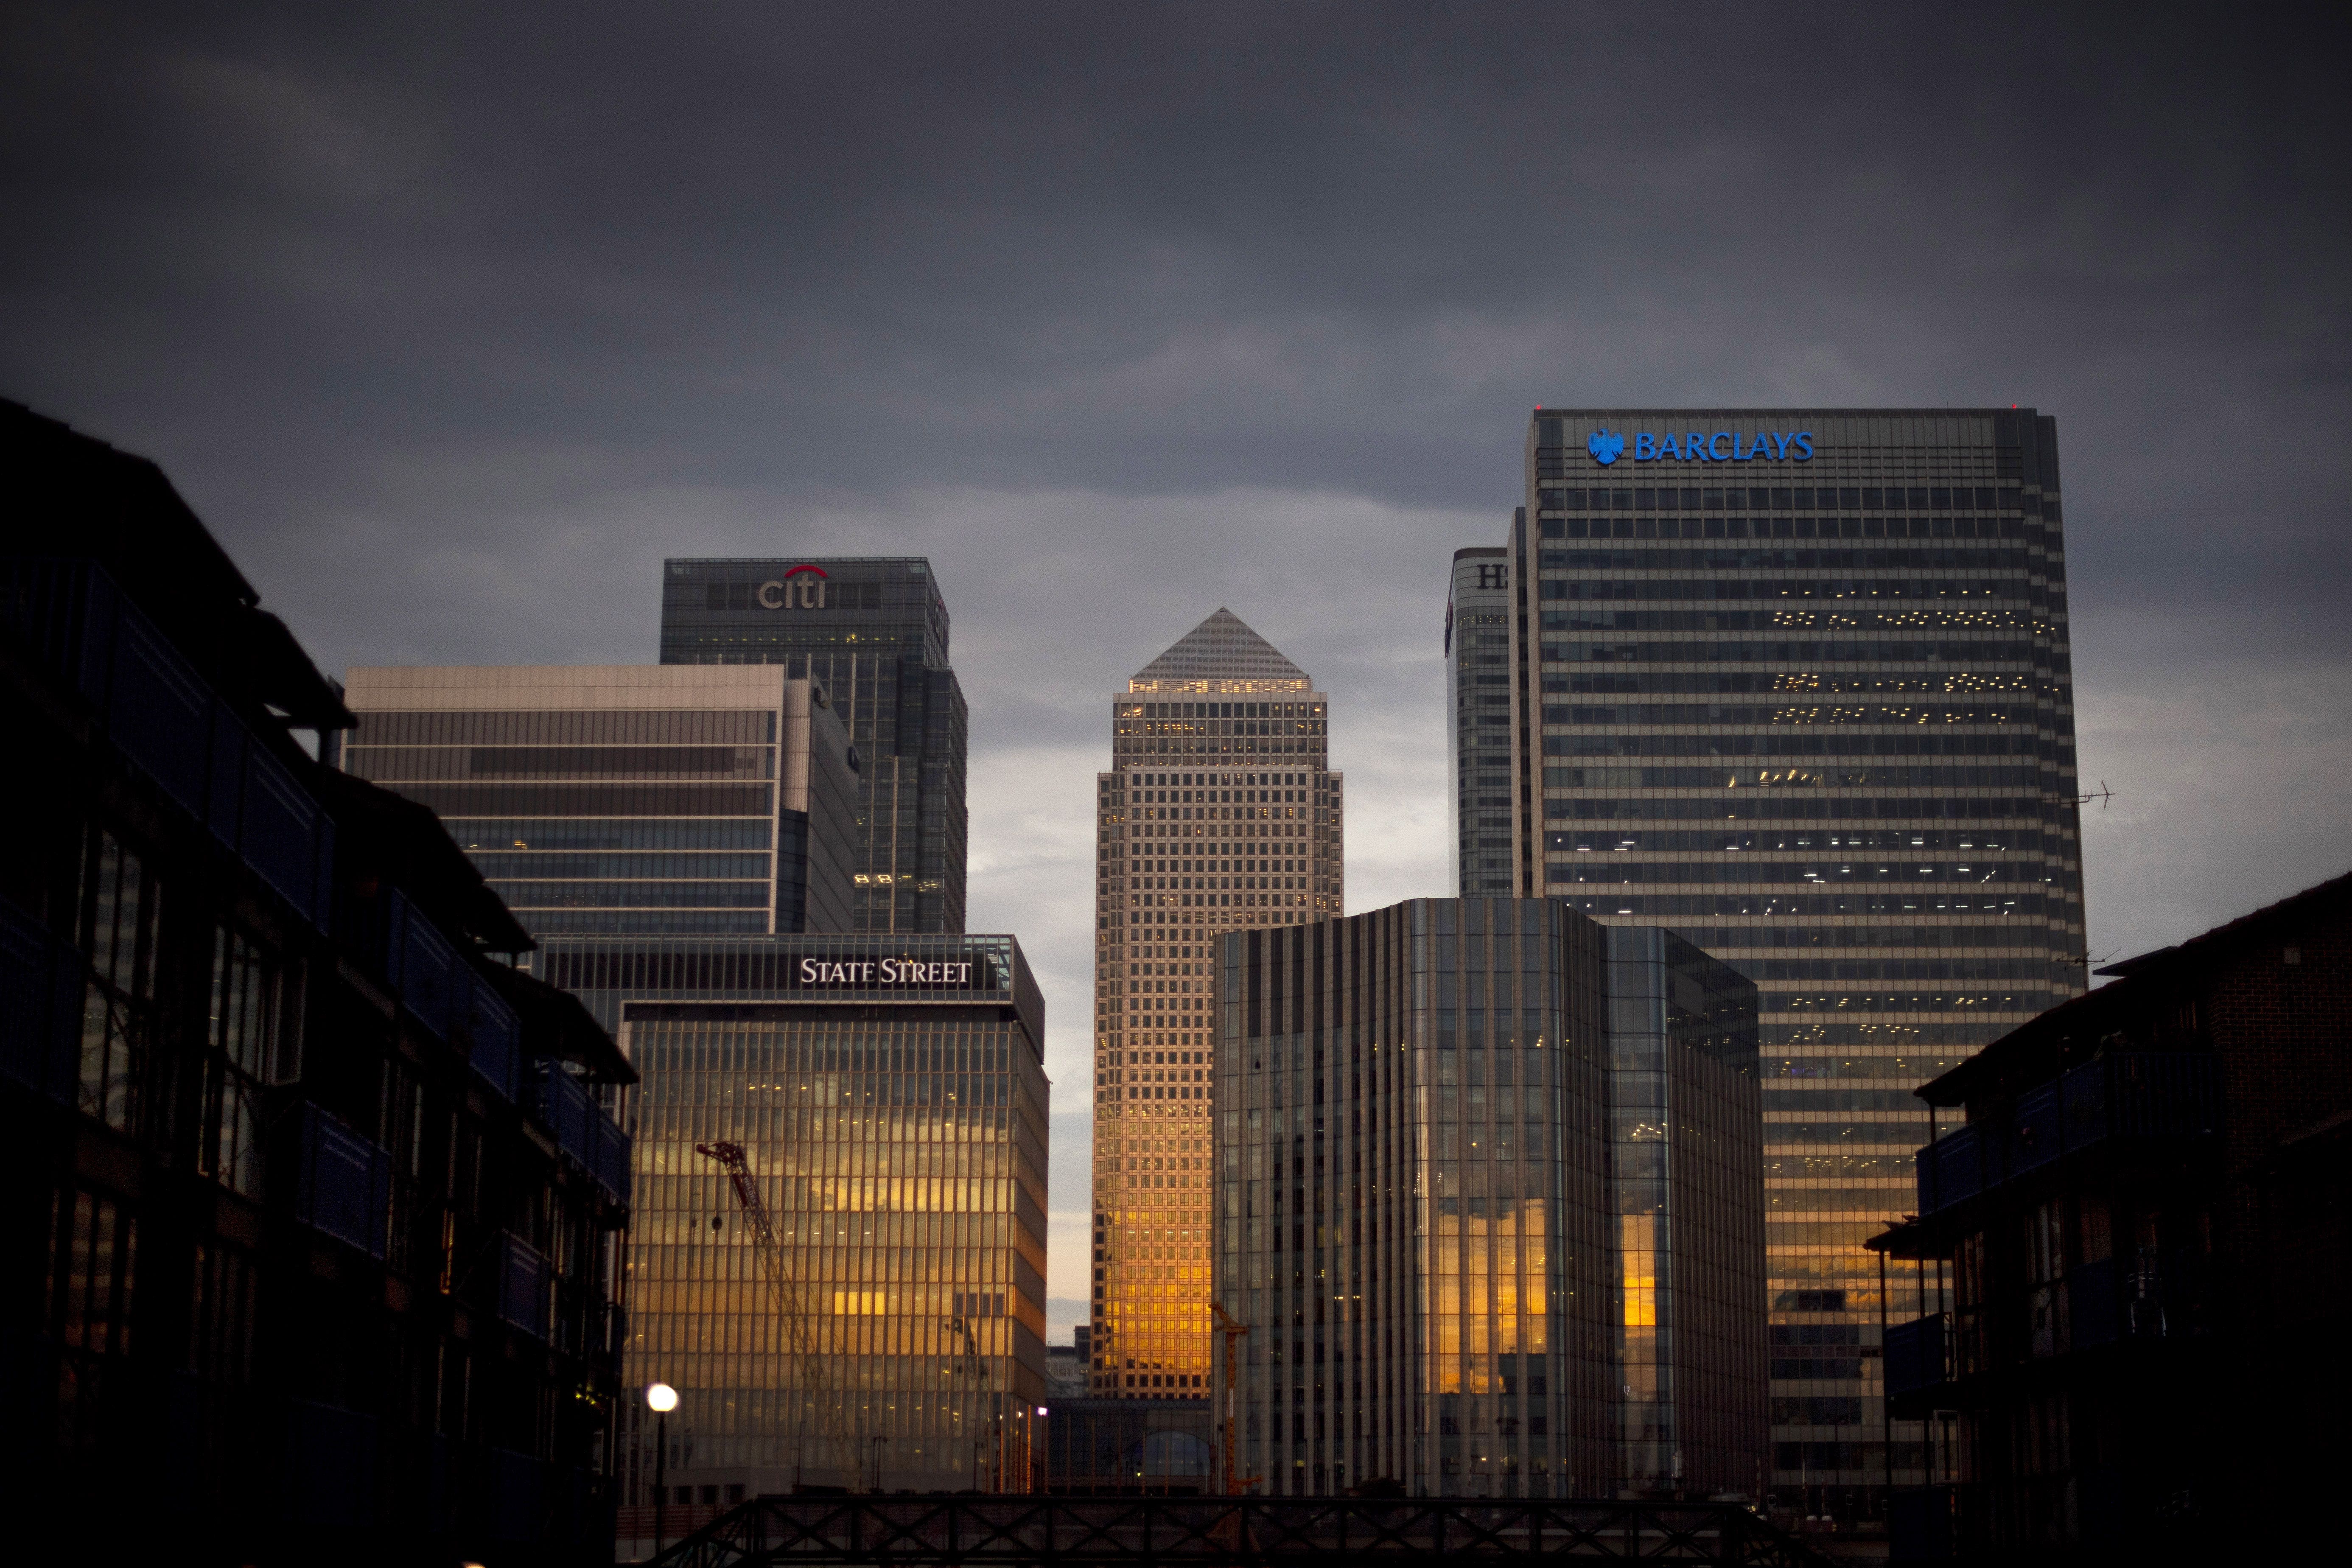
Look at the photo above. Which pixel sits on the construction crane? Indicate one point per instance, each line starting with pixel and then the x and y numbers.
pixel 1233 1333
pixel 794 1313
pixel 969 1364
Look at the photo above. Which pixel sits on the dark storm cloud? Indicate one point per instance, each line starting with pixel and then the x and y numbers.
pixel 453 321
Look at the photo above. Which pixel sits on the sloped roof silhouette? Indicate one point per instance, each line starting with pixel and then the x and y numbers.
pixel 1222 647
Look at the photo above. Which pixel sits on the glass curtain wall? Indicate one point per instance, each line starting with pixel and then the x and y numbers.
pixel 897 1139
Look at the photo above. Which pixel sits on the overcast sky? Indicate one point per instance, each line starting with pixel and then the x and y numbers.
pixel 452 321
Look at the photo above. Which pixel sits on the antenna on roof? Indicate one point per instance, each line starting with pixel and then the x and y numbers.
pixel 2102 795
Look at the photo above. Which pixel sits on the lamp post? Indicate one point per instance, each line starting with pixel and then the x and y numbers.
pixel 661 1399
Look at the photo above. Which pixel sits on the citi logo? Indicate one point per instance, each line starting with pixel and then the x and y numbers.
pixel 804 585
pixel 1700 446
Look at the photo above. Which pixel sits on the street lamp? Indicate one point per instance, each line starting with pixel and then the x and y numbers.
pixel 661 1399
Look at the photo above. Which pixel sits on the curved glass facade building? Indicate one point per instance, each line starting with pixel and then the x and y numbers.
pixel 1472 1260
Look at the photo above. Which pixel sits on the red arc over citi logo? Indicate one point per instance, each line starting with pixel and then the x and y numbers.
pixel 800 587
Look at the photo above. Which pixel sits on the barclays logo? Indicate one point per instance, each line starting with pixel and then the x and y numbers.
pixel 1700 446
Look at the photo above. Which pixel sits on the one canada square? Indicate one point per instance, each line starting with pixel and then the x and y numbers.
pixel 1219 812
pixel 1796 684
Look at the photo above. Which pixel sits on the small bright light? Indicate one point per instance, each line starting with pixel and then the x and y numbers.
pixel 661 1398
pixel 1041 1410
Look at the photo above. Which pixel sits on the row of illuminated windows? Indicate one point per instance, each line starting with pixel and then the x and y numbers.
pixel 668 1046
pixel 1803 685
pixel 1911 907
pixel 1630 868
pixel 1849 810
pixel 2011 840
pixel 1806 709
pixel 1718 589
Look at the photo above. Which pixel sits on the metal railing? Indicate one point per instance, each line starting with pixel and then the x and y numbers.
pixel 1078 1532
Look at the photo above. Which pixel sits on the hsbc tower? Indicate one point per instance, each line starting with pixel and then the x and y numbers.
pixel 1796 685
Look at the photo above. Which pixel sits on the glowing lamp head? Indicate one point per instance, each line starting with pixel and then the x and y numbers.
pixel 661 1398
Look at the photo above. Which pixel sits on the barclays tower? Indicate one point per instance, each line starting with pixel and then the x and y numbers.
pixel 1796 684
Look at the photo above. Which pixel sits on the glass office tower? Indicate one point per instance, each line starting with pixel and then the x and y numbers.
pixel 625 798
pixel 873 631
pixel 1218 811
pixel 1801 691
pixel 1687 1186
pixel 1478 738
pixel 892 1104
pixel 1451 1218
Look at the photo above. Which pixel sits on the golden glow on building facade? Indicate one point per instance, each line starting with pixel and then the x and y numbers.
pixel 1218 812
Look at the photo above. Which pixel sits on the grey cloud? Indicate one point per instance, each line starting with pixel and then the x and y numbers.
pixel 453 320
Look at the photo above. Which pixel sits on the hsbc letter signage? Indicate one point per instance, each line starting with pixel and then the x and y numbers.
pixel 802 587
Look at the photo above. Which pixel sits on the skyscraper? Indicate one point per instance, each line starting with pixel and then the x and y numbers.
pixel 1819 721
pixel 890 1099
pixel 1472 1260
pixel 873 631
pixel 1478 660
pixel 626 799
pixel 1218 811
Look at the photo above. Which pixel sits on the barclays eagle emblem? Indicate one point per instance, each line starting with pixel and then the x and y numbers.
pixel 1604 448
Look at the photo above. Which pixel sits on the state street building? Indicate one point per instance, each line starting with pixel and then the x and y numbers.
pixel 1219 812
pixel 890 1097
pixel 1796 684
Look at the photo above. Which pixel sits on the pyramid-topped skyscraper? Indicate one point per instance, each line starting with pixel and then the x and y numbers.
pixel 1219 812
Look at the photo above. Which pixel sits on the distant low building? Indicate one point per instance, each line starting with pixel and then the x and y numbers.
pixel 308 1251
pixel 2130 1332
pixel 1065 1373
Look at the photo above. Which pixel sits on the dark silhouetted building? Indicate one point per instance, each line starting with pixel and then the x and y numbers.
pixel 1491 1206
pixel 2130 1337
pixel 309 1253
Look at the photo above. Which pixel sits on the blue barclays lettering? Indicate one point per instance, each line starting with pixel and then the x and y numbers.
pixel 1697 446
